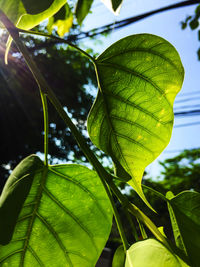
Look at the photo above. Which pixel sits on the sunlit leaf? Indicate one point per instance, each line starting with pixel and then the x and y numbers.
pixel 132 118
pixel 26 14
pixel 62 21
pixel 82 9
pixel 151 253
pixel 186 211
pixel 65 220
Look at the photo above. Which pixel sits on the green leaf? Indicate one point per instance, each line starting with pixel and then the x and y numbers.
pixel 132 117
pixel 186 210
pixel 65 221
pixel 82 9
pixel 14 194
pixel 62 21
pixel 26 14
pixel 194 24
pixel 151 253
pixel 119 257
pixel 113 5
pixel 37 7
pixel 177 235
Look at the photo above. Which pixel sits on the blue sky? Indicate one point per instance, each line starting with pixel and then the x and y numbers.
pixel 168 26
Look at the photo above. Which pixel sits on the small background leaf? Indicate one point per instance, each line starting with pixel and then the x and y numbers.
pixel 62 21
pixel 151 253
pixel 113 5
pixel 132 117
pixel 186 210
pixel 82 9
pixel 65 221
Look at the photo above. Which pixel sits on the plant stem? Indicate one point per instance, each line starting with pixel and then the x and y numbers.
pixel 46 90
pixel 59 40
pixel 155 192
pixel 132 225
pixel 142 230
pixel 46 126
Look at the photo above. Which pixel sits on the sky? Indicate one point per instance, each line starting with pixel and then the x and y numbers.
pixel 167 25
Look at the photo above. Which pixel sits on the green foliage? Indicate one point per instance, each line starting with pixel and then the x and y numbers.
pixel 27 14
pixel 151 253
pixel 193 22
pixel 119 257
pixel 17 188
pixel 65 220
pixel 82 9
pixel 133 112
pixel 181 172
pixel 61 215
pixel 186 212
pixel 62 21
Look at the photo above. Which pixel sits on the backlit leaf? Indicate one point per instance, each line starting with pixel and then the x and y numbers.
pixel 151 253
pixel 65 220
pixel 62 21
pixel 26 14
pixel 132 117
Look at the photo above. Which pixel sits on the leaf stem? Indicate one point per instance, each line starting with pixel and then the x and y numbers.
pixel 46 126
pixel 155 192
pixel 59 40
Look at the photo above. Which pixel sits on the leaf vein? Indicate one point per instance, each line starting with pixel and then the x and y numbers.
pixel 139 75
pixel 82 187
pixel 57 238
pixel 78 222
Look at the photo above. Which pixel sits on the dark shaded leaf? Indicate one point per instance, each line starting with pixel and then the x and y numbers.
pixel 14 194
pixel 186 209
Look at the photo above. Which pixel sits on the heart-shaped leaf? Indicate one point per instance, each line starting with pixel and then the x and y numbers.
pixel 132 117
pixel 26 14
pixel 65 220
pixel 185 213
pixel 151 253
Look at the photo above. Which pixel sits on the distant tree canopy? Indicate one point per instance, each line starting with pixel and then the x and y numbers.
pixel 70 75
pixel 193 21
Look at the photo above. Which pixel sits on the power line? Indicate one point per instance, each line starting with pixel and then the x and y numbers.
pixel 194 112
pixel 187 99
pixel 187 124
pixel 122 23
